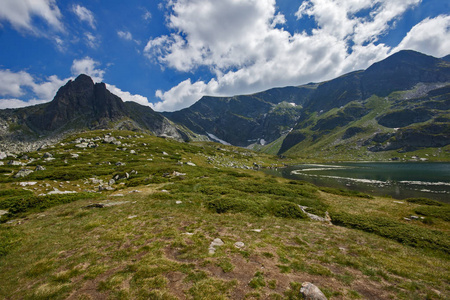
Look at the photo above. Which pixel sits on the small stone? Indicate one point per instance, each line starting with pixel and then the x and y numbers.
pixel 256 230
pixel 47 155
pixel 178 202
pixel 27 183
pixel 132 217
pixel 111 182
pixel 39 168
pixel 165 153
pixel 239 245
pixel 191 164
pixel 311 292
pixel 23 173
pixel 132 152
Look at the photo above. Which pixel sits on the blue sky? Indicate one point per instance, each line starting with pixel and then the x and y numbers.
pixel 169 53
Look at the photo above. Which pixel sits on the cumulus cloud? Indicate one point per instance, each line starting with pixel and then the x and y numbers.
pixel 126 35
pixel 20 14
pixel 17 84
pixel 89 67
pixel 246 51
pixel 84 15
pixel 431 36
pixel 127 96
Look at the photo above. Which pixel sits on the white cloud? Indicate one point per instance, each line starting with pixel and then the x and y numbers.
pixel 17 103
pixel 184 94
pixel 87 66
pixel 17 84
pixel 91 40
pixel 126 35
pixel 127 96
pixel 12 84
pixel 84 14
pixel 147 16
pixel 431 36
pixel 20 13
pixel 246 52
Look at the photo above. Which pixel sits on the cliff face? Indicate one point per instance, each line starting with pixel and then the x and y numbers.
pixel 80 101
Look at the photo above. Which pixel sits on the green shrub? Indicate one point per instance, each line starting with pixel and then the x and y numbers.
pixel 285 209
pixel 345 192
pixel 25 204
pixel 424 201
pixel 404 233
pixel 236 205
pixel 442 213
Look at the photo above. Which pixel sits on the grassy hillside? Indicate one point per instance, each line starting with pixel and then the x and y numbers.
pixel 149 234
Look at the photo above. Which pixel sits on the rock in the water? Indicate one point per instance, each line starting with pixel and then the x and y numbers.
pixel 39 168
pixel 311 292
pixel 23 173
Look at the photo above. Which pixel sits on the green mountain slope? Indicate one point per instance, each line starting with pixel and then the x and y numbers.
pixel 154 218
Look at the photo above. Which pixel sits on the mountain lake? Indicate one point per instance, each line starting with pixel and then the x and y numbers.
pixel 397 180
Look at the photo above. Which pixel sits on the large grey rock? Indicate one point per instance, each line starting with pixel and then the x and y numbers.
pixel 47 155
pixel 216 243
pixel 311 292
pixel 23 173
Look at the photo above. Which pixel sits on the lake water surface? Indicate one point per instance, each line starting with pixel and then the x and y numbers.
pixel 399 180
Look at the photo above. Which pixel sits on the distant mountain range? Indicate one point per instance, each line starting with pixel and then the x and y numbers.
pixel 399 104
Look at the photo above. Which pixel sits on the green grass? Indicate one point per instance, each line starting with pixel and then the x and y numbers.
pixel 155 244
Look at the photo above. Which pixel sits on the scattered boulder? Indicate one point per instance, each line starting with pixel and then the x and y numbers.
pixel 39 168
pixel 191 164
pixel 15 163
pixel 47 155
pixel 74 155
pixel 3 212
pixel 82 145
pixel 3 155
pixel 176 174
pixel 216 243
pixel 25 157
pixel 132 152
pixel 27 183
pixel 311 292
pixel 239 245
pixel 111 182
pixel 1 163
pixel 109 139
pixel 23 173
pixel 119 164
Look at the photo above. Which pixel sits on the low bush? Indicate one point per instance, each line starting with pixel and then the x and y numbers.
pixel 236 205
pixel 424 201
pixel 442 213
pixel 345 192
pixel 285 209
pixel 20 205
pixel 406 234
